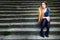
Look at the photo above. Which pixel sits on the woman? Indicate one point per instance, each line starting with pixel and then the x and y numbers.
pixel 44 19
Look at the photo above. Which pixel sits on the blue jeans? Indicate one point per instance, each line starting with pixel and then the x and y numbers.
pixel 44 24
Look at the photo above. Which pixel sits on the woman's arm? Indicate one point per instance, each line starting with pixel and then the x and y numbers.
pixel 48 17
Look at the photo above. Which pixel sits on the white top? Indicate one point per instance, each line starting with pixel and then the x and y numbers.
pixel 45 10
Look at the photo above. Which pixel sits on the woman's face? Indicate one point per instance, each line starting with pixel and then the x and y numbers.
pixel 43 5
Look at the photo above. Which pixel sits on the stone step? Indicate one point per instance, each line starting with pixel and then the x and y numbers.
pixel 26 18
pixel 27 8
pixel 27 26
pixel 29 11
pixel 32 37
pixel 27 0
pixel 1 37
pixel 21 11
pixel 19 20
pixel 26 23
pixel 25 15
pixel 23 31
pixel 27 5
pixel 21 15
pixel 32 33
pixel 27 29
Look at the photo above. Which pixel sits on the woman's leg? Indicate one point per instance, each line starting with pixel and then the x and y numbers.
pixel 47 27
pixel 42 27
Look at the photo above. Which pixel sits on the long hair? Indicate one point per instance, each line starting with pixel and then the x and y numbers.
pixel 41 12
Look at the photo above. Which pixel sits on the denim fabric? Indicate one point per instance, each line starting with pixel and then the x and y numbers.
pixel 45 24
pixel 47 13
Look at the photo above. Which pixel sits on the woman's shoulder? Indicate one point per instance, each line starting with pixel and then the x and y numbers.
pixel 48 8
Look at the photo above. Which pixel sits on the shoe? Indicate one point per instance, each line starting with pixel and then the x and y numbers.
pixel 46 35
pixel 42 35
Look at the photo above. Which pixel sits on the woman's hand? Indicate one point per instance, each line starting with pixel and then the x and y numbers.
pixel 48 18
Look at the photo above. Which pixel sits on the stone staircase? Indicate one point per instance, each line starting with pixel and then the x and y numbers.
pixel 19 20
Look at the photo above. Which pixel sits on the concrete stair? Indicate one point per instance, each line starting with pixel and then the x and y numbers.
pixel 19 20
